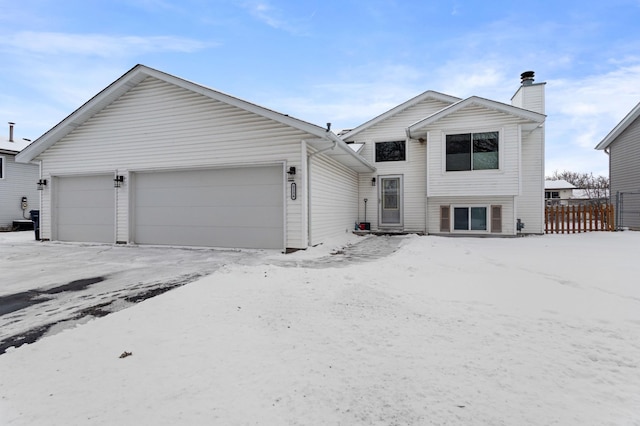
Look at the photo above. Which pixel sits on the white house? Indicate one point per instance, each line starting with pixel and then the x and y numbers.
pixel 558 192
pixel 18 189
pixel 456 166
pixel 155 159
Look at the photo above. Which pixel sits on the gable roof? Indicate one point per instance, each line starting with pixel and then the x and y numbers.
pixel 338 148
pixel 533 117
pixel 558 184
pixel 621 127
pixel 429 94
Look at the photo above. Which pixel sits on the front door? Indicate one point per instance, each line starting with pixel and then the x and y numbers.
pixel 390 201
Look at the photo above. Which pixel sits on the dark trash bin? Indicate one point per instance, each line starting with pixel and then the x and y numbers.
pixel 35 217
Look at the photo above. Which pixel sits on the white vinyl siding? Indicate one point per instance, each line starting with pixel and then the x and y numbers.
pixel 503 181
pixel 334 195
pixel 159 126
pixel 531 97
pixel 530 203
pixel 19 180
pixel 412 169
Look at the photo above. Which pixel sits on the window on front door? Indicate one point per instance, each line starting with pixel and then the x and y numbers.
pixel 390 151
pixel 472 151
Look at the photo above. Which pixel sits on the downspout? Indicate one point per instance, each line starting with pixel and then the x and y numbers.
pixel 309 157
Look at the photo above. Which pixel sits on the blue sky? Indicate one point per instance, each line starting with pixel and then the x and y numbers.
pixel 342 62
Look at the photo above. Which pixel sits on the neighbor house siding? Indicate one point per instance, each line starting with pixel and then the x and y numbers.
pixel 334 198
pixel 159 126
pixel 504 181
pixel 625 171
pixel 19 180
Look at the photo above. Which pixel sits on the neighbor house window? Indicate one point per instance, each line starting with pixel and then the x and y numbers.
pixel 1 167
pixel 391 151
pixel 472 151
pixel 552 194
pixel 470 218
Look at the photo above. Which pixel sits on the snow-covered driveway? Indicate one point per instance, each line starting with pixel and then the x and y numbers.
pixel 51 286
pixel 46 287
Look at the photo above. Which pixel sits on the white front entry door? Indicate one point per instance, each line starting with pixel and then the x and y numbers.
pixel 390 201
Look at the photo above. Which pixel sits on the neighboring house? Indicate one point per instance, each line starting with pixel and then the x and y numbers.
pixel 456 166
pixel 17 183
pixel 155 159
pixel 558 192
pixel 622 145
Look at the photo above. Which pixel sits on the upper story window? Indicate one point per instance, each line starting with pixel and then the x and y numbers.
pixel 391 151
pixel 472 151
pixel 1 167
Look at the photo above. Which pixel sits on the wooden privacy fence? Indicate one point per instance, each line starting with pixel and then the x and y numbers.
pixel 572 219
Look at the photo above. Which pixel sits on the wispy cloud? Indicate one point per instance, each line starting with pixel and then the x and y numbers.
pixel 276 18
pixel 52 43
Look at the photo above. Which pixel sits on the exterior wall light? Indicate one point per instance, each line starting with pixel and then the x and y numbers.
pixel 373 181
pixel 41 184
pixel 292 173
pixel 118 181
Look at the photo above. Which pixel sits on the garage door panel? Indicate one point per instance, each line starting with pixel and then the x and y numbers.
pixel 247 237
pixel 241 207
pixel 85 208
pixel 206 216
pixel 248 196
pixel 86 216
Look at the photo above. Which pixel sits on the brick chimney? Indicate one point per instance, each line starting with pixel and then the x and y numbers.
pixel 11 131
pixel 530 95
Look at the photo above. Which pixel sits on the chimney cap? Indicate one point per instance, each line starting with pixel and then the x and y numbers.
pixel 527 77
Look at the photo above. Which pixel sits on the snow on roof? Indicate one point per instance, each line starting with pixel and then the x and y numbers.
pixel 16 146
pixel 558 184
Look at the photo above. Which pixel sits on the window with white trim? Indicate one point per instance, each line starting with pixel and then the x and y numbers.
pixel 2 166
pixel 391 151
pixel 470 219
pixel 472 151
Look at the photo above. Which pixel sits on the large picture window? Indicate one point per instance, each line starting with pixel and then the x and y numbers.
pixel 472 151
pixel 390 151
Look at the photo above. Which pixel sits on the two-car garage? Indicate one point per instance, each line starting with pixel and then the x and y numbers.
pixel 224 207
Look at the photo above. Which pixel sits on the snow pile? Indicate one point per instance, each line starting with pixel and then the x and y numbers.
pixel 445 331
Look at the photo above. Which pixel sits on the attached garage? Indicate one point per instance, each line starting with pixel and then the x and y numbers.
pixel 84 208
pixel 198 168
pixel 228 207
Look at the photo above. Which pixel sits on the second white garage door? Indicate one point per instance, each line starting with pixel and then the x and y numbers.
pixel 240 207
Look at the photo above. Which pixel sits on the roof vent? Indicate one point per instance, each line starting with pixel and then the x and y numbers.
pixel 527 78
pixel 11 131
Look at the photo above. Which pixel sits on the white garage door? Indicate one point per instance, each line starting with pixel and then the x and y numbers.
pixel 240 207
pixel 84 209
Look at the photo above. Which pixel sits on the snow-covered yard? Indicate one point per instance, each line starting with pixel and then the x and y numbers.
pixel 445 331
